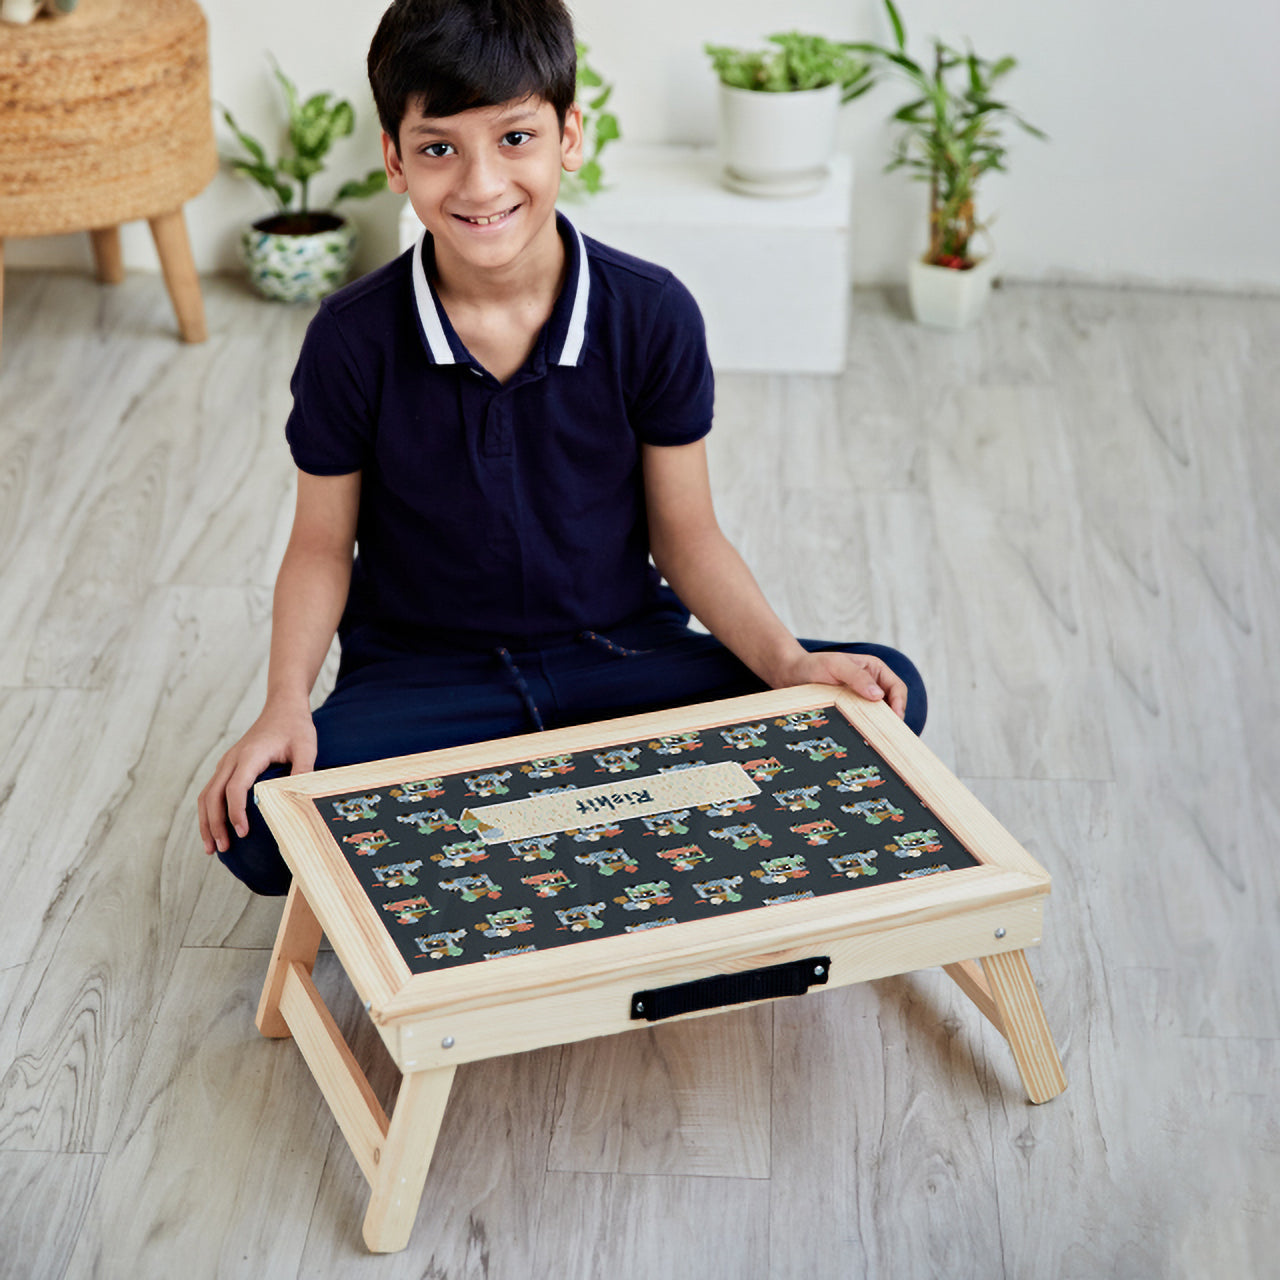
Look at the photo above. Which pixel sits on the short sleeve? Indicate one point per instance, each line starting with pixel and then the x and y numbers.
pixel 330 427
pixel 677 388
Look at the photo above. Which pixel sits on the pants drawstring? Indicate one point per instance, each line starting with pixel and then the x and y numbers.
pixel 609 646
pixel 522 688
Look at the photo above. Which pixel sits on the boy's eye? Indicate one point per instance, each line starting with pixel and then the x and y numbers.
pixel 516 138
pixel 437 149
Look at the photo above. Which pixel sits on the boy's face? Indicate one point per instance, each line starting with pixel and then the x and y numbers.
pixel 484 182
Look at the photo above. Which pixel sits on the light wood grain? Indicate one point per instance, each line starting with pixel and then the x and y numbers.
pixel 1103 459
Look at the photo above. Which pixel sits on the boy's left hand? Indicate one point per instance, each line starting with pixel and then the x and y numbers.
pixel 866 675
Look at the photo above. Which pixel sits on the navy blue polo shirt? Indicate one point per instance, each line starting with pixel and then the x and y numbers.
pixel 496 512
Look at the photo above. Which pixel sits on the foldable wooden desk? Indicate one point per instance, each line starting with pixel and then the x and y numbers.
pixel 538 890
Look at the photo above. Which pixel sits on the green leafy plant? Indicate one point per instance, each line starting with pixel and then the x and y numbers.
pixel 951 134
pixel 314 125
pixel 797 62
pixel 599 128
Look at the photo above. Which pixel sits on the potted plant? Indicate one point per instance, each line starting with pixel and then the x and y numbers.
pixel 300 254
pixel 951 134
pixel 599 128
pixel 778 110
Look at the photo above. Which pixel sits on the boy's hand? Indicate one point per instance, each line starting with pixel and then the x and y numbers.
pixel 866 675
pixel 278 736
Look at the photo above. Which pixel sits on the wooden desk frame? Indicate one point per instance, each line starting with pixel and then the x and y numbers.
pixel 975 922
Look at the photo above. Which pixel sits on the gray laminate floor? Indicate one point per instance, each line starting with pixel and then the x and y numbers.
pixel 1070 516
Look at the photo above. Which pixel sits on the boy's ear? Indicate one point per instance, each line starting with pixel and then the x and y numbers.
pixel 571 140
pixel 395 168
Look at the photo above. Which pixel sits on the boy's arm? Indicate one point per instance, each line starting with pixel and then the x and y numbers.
pixel 714 583
pixel 311 591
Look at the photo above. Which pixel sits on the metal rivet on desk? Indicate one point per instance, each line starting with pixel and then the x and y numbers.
pixel 1000 932
pixel 818 970
pixel 639 1006
pixel 368 1004
pixel 447 1042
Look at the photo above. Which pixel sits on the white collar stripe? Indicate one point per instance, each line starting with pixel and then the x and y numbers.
pixel 441 352
pixel 571 352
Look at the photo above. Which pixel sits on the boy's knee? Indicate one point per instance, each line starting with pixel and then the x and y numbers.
pixel 254 859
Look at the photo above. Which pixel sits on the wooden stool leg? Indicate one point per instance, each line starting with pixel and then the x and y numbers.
pixel 107 255
pixel 1013 991
pixel 297 941
pixel 406 1157
pixel 169 231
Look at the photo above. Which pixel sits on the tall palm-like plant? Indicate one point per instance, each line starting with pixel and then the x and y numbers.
pixel 951 133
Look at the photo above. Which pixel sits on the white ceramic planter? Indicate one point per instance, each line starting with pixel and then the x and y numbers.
pixel 777 144
pixel 297 268
pixel 948 299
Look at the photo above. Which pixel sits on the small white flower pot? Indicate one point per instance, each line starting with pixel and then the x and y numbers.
pixel 777 144
pixel 945 298
pixel 297 268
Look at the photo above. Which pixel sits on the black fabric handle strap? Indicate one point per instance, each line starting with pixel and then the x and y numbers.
pixel 792 979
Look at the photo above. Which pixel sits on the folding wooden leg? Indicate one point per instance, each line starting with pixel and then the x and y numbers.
pixel 297 941
pixel 107 254
pixel 169 231
pixel 405 1158
pixel 1004 990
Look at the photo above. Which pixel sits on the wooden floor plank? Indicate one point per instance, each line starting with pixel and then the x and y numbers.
pixel 1069 515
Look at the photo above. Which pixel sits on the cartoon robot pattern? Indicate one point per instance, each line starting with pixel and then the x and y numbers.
pixel 410 910
pixel 601 831
pixel 790 866
pixel 642 925
pixel 617 760
pixel 461 852
pixel 672 744
pixel 801 721
pixel 439 945
pixel 395 875
pixel 922 871
pixel 609 862
pixel 534 849
pixel 765 769
pixel 640 897
pixel 671 823
pixel 716 892
pixel 585 916
pixel 727 809
pixel 853 865
pixel 914 844
pixel 510 951
pixel 819 749
pixel 861 779
pixel 357 808
pixel 502 924
pixel 824 831
pixel 369 842
pixel 685 858
pixel 428 821
pixel 472 888
pixel 492 783
pixel 744 736
pixel 874 811
pixel 409 792
pixel 744 835
pixel 548 884
pixel 788 897
pixel 798 798
pixel 548 766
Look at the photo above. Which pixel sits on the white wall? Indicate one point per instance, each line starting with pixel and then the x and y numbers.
pixel 1165 124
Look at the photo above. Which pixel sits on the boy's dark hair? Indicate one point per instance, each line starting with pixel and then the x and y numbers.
pixel 452 55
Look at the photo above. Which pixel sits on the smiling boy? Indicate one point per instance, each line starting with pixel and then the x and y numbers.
pixel 494 435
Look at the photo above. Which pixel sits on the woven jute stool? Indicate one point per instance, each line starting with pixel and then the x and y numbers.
pixel 105 118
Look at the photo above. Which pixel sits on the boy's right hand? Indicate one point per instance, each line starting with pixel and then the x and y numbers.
pixel 278 736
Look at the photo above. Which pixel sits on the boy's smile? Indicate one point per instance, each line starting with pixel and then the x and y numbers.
pixel 484 183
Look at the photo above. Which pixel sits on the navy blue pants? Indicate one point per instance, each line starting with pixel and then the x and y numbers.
pixel 389 702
